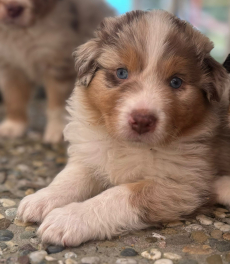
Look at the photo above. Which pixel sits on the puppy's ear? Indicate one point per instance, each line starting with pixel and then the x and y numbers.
pixel 85 61
pixel 226 64
pixel 216 78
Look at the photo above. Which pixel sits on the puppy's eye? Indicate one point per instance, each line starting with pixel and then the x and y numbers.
pixel 176 83
pixel 122 73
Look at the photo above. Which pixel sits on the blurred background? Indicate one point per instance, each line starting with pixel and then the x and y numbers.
pixel 212 17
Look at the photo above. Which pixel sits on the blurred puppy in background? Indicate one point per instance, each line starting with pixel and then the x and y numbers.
pixel 148 133
pixel 37 41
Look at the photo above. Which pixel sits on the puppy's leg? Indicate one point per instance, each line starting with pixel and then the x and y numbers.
pixel 119 209
pixel 72 184
pixel 16 90
pixel 57 93
pixel 222 190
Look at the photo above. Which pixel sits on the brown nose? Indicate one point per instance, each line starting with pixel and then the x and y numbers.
pixel 14 10
pixel 142 122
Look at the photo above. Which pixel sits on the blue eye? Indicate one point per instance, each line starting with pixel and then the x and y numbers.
pixel 122 73
pixel 176 83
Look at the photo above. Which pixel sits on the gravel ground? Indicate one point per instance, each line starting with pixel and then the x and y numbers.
pixel 27 165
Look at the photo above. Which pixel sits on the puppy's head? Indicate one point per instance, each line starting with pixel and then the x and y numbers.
pixel 23 13
pixel 149 77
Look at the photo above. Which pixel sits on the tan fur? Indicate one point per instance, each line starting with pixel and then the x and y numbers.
pixel 170 172
pixel 38 45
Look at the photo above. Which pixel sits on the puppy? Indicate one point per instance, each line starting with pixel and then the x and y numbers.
pixel 37 41
pixel 148 133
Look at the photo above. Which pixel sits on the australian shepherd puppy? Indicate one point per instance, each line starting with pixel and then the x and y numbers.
pixel 37 39
pixel 148 133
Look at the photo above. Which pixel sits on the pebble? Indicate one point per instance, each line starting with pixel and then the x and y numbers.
pixel 3 245
pixel 7 202
pixel 70 255
pixel 175 224
pixel 163 261
pixel 35 240
pixel 151 239
pixel 51 260
pixel 6 235
pixel 156 235
pixel 54 249
pixel 226 236
pixel 216 234
pixel 179 240
pixel 29 191
pixel 198 250
pixel 152 254
pixel 128 252
pixel 126 261
pixel 23 260
pixel 11 212
pixel 19 223
pixel 26 249
pixel 193 227
pixel 12 246
pixel 222 227
pixel 27 234
pixel 199 236
pixel 70 261
pixel 90 260
pixel 219 214
pixel 214 259
pixel 223 246
pixel 2 216
pixel 4 223
pixel 172 256
pixel 37 257
pixel 204 220
pixel 30 228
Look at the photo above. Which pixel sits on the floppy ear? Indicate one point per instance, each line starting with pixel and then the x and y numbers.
pixel 85 61
pixel 226 64
pixel 216 78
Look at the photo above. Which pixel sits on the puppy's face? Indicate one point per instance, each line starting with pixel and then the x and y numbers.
pixel 149 77
pixel 23 13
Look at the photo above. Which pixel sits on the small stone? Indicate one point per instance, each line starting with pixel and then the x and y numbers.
pixel 2 216
pixel 128 252
pixel 214 259
pixel 70 255
pixel 188 261
pixel 29 191
pixel 226 236
pixel 225 228
pixel 12 246
pixel 151 239
pixel 4 223
pixel 216 234
pixel 198 250
pixel 19 223
pixel 204 220
pixel 3 245
pixel 172 256
pixel 7 202
pixel 223 246
pixel 70 261
pixel 169 231
pixel 163 261
pixel 175 224
pixel 6 235
pixel 223 210
pixel 37 257
pixel 179 240
pixel 54 249
pixel 61 262
pixel 219 214
pixel 35 240
pixel 126 261
pixel 30 228
pixel 199 236
pixel 193 227
pixel 26 249
pixel 152 254
pixel 23 260
pixel 50 260
pixel 27 234
pixel 90 260
pixel 218 224
pixel 11 212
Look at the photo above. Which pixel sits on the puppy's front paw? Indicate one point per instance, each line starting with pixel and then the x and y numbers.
pixel 34 207
pixel 69 226
pixel 53 133
pixel 12 129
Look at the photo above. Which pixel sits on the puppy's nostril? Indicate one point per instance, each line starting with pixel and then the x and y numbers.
pixel 142 123
pixel 14 10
